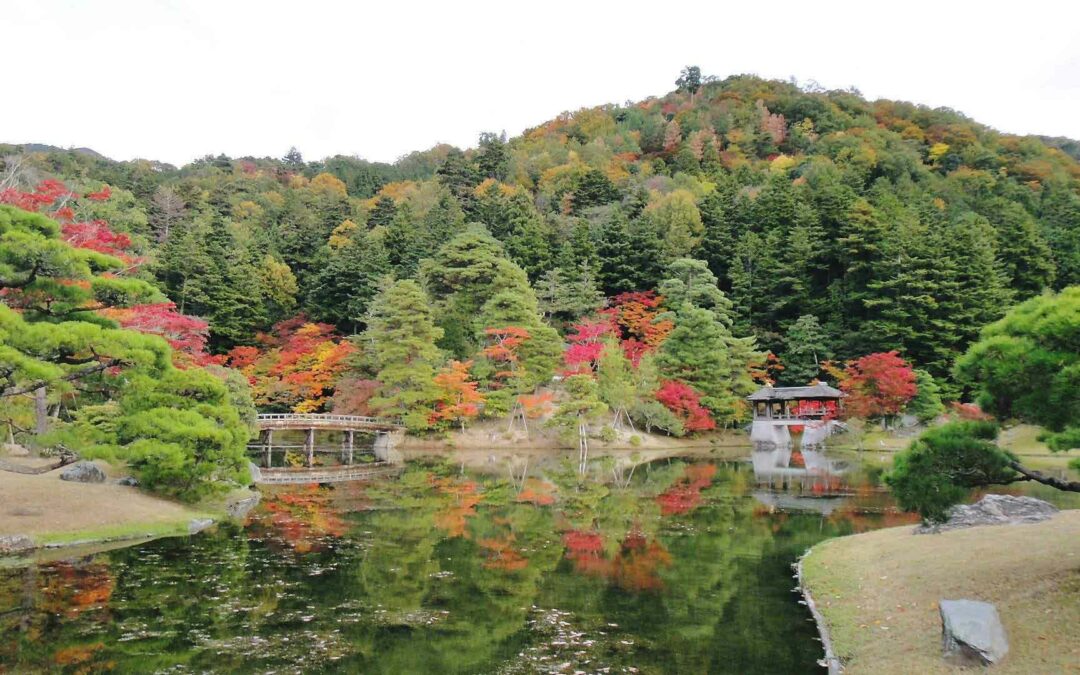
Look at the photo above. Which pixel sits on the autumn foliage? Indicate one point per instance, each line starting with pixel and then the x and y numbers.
pixel 586 345
pixel 878 385
pixel 459 399
pixel 297 367
pixel 636 316
pixel 685 403
pixel 185 334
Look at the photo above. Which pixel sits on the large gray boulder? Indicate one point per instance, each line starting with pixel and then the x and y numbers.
pixel 83 472
pixel 971 633
pixel 994 510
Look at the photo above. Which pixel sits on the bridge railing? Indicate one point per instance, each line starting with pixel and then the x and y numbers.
pixel 325 418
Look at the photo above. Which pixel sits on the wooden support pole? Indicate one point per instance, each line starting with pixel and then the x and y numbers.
pixel 311 446
pixel 350 446
pixel 267 435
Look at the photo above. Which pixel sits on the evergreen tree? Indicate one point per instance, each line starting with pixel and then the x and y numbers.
pixel 346 286
pixel 404 244
pixel 701 352
pixel 927 405
pixel 541 352
pixel 493 159
pixel 383 213
pixel 806 346
pixel 401 339
pixel 615 381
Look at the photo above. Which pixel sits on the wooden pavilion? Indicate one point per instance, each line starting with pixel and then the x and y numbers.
pixel 776 409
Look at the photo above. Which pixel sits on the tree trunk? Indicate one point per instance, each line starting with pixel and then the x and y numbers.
pixel 1040 477
pixel 41 411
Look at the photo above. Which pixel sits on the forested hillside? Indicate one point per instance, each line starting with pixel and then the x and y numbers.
pixel 833 227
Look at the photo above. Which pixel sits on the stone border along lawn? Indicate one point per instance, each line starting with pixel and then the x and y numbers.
pixel 878 594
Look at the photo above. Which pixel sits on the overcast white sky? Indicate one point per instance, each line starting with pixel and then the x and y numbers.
pixel 173 80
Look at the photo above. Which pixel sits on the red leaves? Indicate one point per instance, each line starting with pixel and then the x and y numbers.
pixel 96 236
pixel 102 195
pixel 968 411
pixel 878 385
pixel 300 367
pixel 586 344
pixel 536 405
pixel 682 400
pixel 685 494
pixel 635 315
pixel 185 334
pixel 502 348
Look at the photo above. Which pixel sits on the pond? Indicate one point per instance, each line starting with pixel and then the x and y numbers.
pixel 676 565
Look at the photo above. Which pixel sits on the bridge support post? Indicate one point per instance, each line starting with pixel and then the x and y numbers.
pixel 268 446
pixel 349 446
pixel 311 446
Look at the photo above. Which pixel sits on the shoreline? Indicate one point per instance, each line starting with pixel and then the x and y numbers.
pixel 831 660
pixel 41 513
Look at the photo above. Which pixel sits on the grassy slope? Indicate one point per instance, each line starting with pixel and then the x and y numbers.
pixel 54 511
pixel 879 591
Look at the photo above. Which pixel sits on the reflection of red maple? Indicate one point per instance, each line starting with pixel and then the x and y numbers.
pixel 537 492
pixel 303 518
pixel 685 494
pixel 464 496
pixel 635 567
pixel 72 588
pixel 500 554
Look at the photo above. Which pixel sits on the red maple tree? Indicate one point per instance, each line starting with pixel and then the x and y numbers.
pixel 685 403
pixel 878 385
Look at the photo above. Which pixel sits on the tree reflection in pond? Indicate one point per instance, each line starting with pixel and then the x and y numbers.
pixel 682 570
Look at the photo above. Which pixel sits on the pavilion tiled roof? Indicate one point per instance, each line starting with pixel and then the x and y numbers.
pixel 819 390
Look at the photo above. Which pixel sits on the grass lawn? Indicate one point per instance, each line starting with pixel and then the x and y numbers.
pixel 879 591
pixel 53 511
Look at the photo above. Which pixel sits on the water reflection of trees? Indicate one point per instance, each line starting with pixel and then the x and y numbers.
pixel 446 573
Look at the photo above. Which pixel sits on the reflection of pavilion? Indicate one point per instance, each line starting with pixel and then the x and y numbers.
pixel 819 475
pixel 814 486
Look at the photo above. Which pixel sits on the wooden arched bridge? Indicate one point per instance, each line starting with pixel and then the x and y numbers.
pixel 386 431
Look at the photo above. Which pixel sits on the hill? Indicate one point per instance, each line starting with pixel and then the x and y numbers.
pixel 873 225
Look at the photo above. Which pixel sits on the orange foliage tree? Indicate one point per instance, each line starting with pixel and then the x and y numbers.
pixel 298 366
pixel 458 398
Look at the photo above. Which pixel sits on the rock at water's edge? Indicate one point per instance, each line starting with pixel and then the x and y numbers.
pixel 199 524
pixel 83 472
pixel 15 543
pixel 971 633
pixel 240 508
pixel 994 510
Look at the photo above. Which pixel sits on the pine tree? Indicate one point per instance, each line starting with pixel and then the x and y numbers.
pixel 927 405
pixel 701 352
pixel 540 353
pixel 806 346
pixel 1026 258
pixel 404 244
pixel 615 379
pixel 528 239
pixel 345 287
pixel 401 339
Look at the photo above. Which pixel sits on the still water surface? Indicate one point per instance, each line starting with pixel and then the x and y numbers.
pixel 683 566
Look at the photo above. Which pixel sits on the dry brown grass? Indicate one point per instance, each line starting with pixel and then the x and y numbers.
pixel 44 507
pixel 879 591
